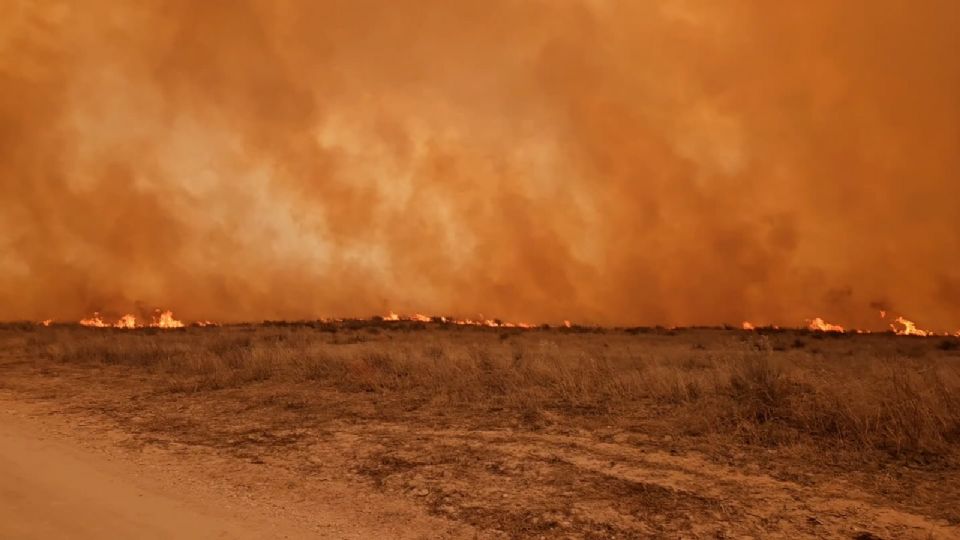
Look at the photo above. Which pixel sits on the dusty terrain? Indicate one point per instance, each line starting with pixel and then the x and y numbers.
pixel 422 431
pixel 52 489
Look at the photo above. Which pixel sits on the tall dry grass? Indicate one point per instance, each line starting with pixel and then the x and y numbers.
pixel 884 393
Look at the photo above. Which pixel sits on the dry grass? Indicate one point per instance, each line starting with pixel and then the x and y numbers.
pixel 900 396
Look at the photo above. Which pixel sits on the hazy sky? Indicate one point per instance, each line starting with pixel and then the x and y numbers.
pixel 629 162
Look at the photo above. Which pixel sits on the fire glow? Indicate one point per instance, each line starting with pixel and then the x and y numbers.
pixel 491 323
pixel 901 327
pixel 532 196
pixel 161 319
pixel 165 320
pixel 909 328
pixel 819 325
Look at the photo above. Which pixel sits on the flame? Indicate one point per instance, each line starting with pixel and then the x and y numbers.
pixel 47 322
pixel 162 319
pixel 479 322
pixel 819 325
pixel 419 317
pixel 94 321
pixel 523 325
pixel 166 320
pixel 909 328
pixel 127 321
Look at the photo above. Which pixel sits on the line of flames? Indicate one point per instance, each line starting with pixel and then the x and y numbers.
pixel 161 319
pixel 492 323
pixel 901 326
pixel 165 319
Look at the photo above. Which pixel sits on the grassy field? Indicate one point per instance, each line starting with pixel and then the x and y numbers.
pixel 573 432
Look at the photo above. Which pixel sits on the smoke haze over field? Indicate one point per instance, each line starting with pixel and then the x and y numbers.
pixel 674 162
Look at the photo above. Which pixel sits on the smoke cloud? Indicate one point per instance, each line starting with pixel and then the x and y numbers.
pixel 674 162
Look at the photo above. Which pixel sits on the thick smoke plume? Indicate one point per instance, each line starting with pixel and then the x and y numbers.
pixel 616 162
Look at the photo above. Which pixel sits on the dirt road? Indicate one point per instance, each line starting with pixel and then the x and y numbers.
pixel 55 483
pixel 49 489
pixel 72 477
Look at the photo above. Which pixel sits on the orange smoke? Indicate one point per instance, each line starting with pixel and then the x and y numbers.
pixel 621 162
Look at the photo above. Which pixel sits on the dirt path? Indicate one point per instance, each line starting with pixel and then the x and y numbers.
pixel 64 479
pixel 51 489
pixel 75 476
pixel 613 480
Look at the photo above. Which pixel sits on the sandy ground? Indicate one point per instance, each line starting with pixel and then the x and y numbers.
pixel 50 488
pixel 57 482
pixel 61 479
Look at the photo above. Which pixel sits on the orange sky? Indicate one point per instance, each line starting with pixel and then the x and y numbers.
pixel 675 162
